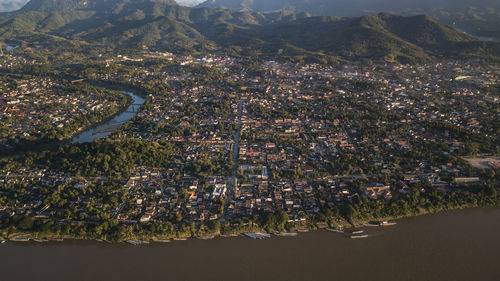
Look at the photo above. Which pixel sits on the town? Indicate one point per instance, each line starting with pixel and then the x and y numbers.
pixel 35 109
pixel 221 142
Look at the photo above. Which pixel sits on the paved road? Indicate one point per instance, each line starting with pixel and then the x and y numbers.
pixel 236 148
pixel 236 151
pixel 119 209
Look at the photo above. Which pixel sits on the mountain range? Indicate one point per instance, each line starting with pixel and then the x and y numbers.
pixel 478 17
pixel 163 24
pixel 352 7
pixel 13 5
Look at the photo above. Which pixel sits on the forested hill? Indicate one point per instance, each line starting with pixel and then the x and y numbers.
pixel 14 5
pixel 165 25
pixel 478 17
pixel 352 7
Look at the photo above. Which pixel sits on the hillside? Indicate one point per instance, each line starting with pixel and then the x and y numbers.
pixel 13 5
pixel 393 38
pixel 352 7
pixel 478 17
pixel 164 24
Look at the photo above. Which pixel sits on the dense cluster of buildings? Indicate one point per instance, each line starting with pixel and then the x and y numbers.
pixel 290 137
pixel 38 108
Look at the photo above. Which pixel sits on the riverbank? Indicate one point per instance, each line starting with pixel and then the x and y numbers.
pixel 47 144
pixel 105 128
pixel 121 110
pixel 459 245
pixel 342 227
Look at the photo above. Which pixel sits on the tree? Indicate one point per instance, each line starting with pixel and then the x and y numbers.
pixel 25 223
pixel 490 173
pixel 282 218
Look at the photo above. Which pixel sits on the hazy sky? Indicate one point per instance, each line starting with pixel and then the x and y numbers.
pixel 188 2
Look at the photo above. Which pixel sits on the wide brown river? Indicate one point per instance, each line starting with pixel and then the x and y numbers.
pixel 459 245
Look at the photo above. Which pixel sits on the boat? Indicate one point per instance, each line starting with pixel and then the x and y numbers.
pixel 303 230
pixel 134 242
pixel 261 235
pixel 40 240
pixel 387 223
pixel 99 240
pixel 257 235
pixel 372 224
pixel 359 236
pixel 250 235
pixel 2 241
pixel 358 232
pixel 156 240
pixel 334 230
pixel 208 237
pixel 180 239
pixel 287 234
pixel 56 239
pixel 19 239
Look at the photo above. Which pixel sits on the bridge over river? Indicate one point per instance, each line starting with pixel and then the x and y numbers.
pixel 106 128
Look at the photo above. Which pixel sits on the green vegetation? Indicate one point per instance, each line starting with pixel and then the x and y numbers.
pixel 423 199
pixel 478 17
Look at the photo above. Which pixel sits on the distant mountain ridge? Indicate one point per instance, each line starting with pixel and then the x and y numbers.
pixel 13 5
pixel 164 24
pixel 350 7
pixel 98 5
pixel 480 17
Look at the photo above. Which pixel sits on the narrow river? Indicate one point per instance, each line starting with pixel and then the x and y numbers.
pixel 108 127
pixel 453 246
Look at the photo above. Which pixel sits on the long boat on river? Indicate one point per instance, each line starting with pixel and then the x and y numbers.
pixel 289 234
pixel 387 223
pixel 180 239
pixel 207 237
pixel 359 236
pixel 56 239
pixel 334 230
pixel 156 240
pixel 20 239
pixel 41 240
pixel 257 235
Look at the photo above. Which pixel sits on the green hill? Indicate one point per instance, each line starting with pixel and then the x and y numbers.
pixel 478 17
pixel 351 7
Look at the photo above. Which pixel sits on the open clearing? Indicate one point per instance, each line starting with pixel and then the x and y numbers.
pixel 482 162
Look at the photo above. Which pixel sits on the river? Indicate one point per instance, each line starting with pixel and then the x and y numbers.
pixel 105 129
pixel 452 246
pixel 11 47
